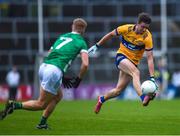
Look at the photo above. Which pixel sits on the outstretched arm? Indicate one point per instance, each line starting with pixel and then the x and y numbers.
pixel 103 40
pixel 107 37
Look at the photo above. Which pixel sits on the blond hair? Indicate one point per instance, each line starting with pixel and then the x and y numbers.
pixel 79 25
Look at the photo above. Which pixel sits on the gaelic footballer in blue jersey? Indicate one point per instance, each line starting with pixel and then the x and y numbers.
pixel 136 39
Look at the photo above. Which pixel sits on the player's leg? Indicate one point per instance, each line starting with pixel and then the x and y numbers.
pixel 123 81
pixel 41 103
pixel 33 105
pixel 128 67
pixel 49 109
pixel 54 87
pixel 50 77
pixel 51 106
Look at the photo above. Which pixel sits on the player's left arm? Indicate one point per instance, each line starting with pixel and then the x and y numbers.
pixel 149 53
pixel 84 64
pixel 150 60
pixel 74 82
pixel 83 68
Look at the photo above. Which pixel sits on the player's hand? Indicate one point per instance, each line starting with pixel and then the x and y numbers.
pixel 76 82
pixel 153 80
pixel 93 49
pixel 67 82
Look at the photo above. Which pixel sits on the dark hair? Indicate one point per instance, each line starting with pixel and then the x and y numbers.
pixel 144 17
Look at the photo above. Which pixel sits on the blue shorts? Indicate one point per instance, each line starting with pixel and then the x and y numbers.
pixel 119 58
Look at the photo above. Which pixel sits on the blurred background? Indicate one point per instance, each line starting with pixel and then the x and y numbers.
pixel 29 27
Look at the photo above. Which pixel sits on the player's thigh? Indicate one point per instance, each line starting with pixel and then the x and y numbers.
pixel 50 78
pixel 45 97
pixel 128 67
pixel 58 96
pixel 123 80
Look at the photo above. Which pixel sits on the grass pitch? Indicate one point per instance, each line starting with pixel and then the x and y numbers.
pixel 116 117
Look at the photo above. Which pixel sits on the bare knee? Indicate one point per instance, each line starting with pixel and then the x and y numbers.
pixel 42 105
pixel 136 73
pixel 58 97
pixel 117 91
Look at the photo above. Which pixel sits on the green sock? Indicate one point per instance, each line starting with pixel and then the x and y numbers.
pixel 43 120
pixel 18 105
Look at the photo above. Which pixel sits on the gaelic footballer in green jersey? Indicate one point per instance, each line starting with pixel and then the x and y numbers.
pixel 63 52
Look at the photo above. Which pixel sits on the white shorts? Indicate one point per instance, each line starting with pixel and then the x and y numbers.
pixel 50 78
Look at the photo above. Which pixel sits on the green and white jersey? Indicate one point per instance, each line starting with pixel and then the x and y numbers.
pixel 65 50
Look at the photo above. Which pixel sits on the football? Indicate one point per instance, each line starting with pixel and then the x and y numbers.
pixel 148 87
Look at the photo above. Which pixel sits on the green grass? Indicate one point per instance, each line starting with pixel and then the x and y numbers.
pixel 116 117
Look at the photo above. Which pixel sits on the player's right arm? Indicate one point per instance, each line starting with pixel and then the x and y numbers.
pixel 103 40
pixel 107 37
pixel 116 32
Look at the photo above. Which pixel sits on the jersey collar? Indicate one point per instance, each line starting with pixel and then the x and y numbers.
pixel 134 27
pixel 75 32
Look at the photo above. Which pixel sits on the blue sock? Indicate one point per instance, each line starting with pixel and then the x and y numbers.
pixel 142 97
pixel 102 99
